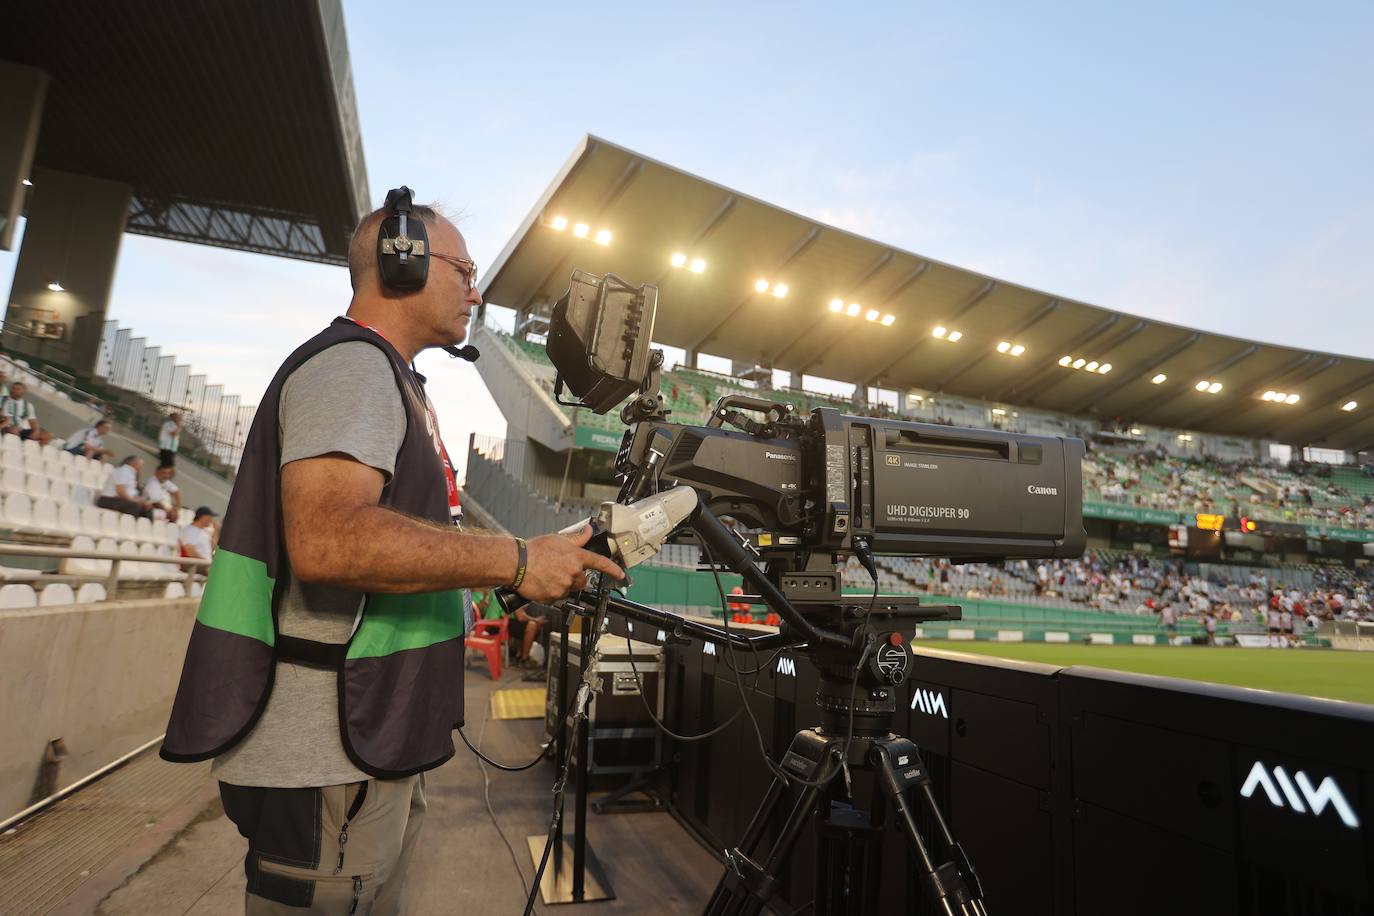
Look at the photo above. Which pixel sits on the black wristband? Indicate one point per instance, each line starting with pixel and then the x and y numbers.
pixel 521 561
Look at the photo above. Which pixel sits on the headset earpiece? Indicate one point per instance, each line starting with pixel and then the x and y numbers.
pixel 402 244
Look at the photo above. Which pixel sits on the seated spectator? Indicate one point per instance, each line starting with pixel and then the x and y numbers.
pixel 163 494
pixel 169 440
pixel 121 490
pixel 17 413
pixel 522 627
pixel 198 538
pixel 90 442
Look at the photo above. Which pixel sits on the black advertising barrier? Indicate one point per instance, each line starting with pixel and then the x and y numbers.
pixel 1077 791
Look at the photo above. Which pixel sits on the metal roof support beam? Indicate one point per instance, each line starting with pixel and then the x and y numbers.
pixel 962 309
pixel 613 193
pixel 711 224
pixel 1046 307
pixel 1231 361
pixel 878 264
pixel 1024 392
pixel 797 250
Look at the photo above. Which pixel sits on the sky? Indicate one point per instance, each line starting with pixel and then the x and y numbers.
pixel 1205 164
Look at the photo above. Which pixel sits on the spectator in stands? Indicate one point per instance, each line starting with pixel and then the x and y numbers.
pixel 340 528
pixel 169 440
pixel 17 413
pixel 198 539
pixel 162 494
pixel 90 442
pixel 121 491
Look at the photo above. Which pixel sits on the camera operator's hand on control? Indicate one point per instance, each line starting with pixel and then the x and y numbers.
pixel 557 564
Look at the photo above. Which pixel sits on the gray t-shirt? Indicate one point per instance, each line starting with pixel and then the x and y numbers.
pixel 341 400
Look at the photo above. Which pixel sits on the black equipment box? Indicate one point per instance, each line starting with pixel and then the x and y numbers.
pixel 622 737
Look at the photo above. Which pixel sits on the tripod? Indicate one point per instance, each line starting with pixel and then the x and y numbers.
pixel 820 757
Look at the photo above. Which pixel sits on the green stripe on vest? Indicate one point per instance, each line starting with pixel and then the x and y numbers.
pixel 394 623
pixel 238 597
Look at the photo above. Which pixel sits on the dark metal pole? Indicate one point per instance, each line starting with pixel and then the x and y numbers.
pixel 580 812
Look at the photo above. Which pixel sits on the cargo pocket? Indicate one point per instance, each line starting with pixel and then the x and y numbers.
pixel 301 887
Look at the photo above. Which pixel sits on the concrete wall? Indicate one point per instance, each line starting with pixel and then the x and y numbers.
pixel 99 676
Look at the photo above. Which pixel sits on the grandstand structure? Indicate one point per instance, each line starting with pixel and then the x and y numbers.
pixel 1218 463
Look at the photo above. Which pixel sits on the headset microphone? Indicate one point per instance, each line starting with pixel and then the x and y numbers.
pixel 469 353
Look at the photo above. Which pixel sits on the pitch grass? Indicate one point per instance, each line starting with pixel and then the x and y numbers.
pixel 1336 675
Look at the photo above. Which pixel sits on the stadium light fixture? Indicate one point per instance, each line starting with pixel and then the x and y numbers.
pixel 1104 368
pixel 1136 431
pixel 853 309
pixel 679 259
pixel 1349 406
pixel 779 289
pixel 559 223
pixel 954 336
pixel 1270 396
pixel 872 315
pixel 1080 363
pixel 57 287
pixel 1214 388
pixel 603 237
pixel 698 266
pixel 888 320
pixel 581 230
pixel 1091 366
pixel 760 285
pixel 1292 399
pixel 1003 347
pixel 1065 361
pixel 1184 437
pixel 939 331
pixel 1201 386
pixel 837 305
pixel 1017 349
pixel 1159 379
pixel 28 183
pixel 999 412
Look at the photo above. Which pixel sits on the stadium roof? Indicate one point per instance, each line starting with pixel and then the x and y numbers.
pixel 235 123
pixel 654 211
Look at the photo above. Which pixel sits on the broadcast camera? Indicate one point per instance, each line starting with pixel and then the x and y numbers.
pixel 802 492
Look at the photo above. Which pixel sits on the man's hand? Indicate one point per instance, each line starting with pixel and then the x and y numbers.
pixel 557 565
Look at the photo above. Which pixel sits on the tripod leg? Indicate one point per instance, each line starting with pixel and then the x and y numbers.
pixel 953 884
pixel 746 886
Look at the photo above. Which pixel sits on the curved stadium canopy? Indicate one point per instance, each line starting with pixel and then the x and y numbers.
pixel 234 123
pixel 654 211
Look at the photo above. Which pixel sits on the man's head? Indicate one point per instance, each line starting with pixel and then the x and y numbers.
pixel 135 462
pixel 174 416
pixel 205 517
pixel 102 427
pixel 436 315
pixel 17 390
pixel 163 473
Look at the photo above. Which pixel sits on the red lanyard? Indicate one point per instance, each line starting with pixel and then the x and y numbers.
pixel 455 508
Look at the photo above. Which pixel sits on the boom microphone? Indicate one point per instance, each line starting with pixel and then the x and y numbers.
pixel 469 353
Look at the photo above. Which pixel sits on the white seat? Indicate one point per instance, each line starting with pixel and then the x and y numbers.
pixel 144 527
pixel 65 458
pixel 68 519
pixel 197 589
pixel 18 511
pixel 174 590
pixel 109 523
pixel 151 570
pixel 128 528
pixel 92 479
pixel 80 494
pixel 45 515
pixel 159 531
pixel 12 457
pixel 90 520
pixel 105 545
pixel 31 447
pixel 60 490
pixel 13 480
pixel 11 443
pixel 36 485
pixel 90 593
pixel 33 461
pixel 57 593
pixel 16 596
pixel 78 566
pixel 11 573
pixel 127 568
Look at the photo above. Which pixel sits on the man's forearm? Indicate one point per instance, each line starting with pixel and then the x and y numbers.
pixel 371 548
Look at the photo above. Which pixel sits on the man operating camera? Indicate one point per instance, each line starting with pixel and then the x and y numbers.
pixel 324 674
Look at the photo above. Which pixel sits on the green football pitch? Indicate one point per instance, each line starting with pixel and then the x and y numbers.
pixel 1336 675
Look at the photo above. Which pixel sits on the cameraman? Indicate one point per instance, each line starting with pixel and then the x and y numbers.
pixel 324 673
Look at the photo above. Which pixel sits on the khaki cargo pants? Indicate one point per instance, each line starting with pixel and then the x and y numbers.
pixel 332 850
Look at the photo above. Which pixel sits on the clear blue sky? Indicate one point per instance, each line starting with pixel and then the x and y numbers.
pixel 1208 164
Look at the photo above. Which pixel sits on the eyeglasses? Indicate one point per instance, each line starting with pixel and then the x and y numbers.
pixel 465 267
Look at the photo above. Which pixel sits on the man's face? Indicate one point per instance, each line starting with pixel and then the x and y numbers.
pixel 164 474
pixel 447 301
pixel 102 428
pixel 137 465
pixel 17 390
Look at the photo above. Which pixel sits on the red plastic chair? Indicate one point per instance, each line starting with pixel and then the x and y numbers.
pixel 490 637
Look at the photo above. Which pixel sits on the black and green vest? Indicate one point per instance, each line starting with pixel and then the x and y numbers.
pixel 400 675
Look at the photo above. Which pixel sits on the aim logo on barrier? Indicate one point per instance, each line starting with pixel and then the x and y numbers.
pixel 1282 793
pixel 930 702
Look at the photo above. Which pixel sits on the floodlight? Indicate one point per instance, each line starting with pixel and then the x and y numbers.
pixel 56 287
pixel 888 319
pixel 837 305
pixel 679 259
pixel 871 315
pixel 1003 347
pixel 1158 379
pixel 28 183
pixel 698 266
pixel 998 412
pixel 1214 388
pixel 1292 399
pixel 1065 361
pixel 1136 431
pixel 760 286
pixel 1349 406
pixel 853 309
pixel 1104 368
pixel 954 336
pixel 560 223
pixel 603 237
pixel 780 289
pixel 1201 386
pixel 1079 363
pixel 939 332
pixel 581 230
pixel 1269 396
pixel 1017 350
pixel 1092 366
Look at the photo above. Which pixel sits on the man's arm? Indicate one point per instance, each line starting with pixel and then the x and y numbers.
pixel 336 534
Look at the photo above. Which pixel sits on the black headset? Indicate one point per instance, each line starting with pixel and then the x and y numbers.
pixel 402 244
